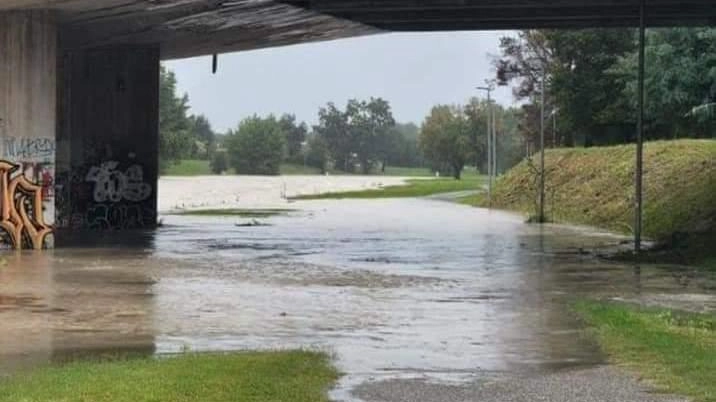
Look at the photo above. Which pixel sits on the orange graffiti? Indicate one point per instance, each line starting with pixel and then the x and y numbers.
pixel 21 209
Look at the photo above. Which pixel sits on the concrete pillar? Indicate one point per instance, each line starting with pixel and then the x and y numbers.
pixel 28 70
pixel 109 136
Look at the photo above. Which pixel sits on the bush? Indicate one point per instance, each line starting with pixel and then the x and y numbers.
pixel 220 162
pixel 256 146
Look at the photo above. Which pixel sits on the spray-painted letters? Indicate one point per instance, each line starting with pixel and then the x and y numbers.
pixel 113 185
pixel 21 215
pixel 29 148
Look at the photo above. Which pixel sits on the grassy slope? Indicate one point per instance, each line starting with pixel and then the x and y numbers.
pixel 677 351
pixel 594 186
pixel 414 188
pixel 256 376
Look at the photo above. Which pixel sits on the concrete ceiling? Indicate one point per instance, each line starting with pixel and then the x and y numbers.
pixel 441 15
pixel 185 28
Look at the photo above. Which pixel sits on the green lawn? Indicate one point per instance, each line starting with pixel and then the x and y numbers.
pixel 295 376
pixel 414 188
pixel 296 169
pixel 193 167
pixel 676 351
pixel 188 167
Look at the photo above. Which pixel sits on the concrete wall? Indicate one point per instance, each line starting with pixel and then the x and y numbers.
pixel 28 72
pixel 109 131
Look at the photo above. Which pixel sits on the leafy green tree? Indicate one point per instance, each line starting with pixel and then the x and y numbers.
pixel 219 162
pixel 445 138
pixel 203 133
pixel 256 146
pixel 333 129
pixel 369 124
pixel 360 133
pixel 295 136
pixel 317 153
pixel 680 76
pixel 175 139
pixel 575 66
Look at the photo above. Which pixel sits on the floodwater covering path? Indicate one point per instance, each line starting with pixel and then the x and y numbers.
pixel 417 299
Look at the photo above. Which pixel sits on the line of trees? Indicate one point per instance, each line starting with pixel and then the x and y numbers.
pixel 590 82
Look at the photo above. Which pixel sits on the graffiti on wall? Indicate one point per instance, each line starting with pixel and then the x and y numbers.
pixel 114 185
pixel 28 148
pixel 21 212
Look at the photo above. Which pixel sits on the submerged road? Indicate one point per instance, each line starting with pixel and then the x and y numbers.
pixel 419 300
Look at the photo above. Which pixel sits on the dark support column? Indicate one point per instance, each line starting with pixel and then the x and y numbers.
pixel 109 136
pixel 639 134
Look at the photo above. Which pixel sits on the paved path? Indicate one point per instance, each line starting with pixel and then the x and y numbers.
pixel 600 384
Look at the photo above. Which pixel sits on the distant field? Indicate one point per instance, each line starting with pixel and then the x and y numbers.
pixel 189 167
pixel 194 167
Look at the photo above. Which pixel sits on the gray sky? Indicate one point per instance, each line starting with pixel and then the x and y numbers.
pixel 412 71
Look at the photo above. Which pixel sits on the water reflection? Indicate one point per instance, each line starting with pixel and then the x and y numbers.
pixel 393 287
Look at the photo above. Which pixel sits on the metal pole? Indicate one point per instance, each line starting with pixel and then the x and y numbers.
pixel 488 89
pixel 541 144
pixel 639 133
pixel 489 150
pixel 494 144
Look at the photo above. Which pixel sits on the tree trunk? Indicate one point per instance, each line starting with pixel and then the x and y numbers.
pixel 456 171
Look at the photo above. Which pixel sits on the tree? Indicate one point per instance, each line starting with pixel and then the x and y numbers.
pixel 317 153
pixel 333 129
pixel 360 133
pixel 295 136
pixel 575 67
pixel 219 162
pixel 369 124
pixel 681 75
pixel 202 132
pixel 445 138
pixel 175 139
pixel 256 146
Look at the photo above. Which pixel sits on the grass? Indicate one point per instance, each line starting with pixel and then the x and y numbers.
pixel 296 169
pixel 296 376
pixel 189 167
pixel 194 167
pixel 595 186
pixel 676 351
pixel 413 188
pixel 244 213
pixel 407 171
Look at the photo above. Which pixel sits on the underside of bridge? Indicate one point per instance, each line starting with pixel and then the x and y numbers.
pixel 79 82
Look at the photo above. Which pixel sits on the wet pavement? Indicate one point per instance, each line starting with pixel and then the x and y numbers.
pixel 398 289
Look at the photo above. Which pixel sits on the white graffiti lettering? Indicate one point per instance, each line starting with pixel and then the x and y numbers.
pixel 114 185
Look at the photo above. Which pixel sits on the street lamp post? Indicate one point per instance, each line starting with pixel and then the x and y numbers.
pixel 490 143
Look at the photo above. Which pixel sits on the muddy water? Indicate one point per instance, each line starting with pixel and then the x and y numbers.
pixel 393 288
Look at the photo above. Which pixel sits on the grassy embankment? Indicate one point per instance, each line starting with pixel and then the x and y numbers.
pixel 594 186
pixel 295 376
pixel 192 167
pixel 414 188
pixel 675 351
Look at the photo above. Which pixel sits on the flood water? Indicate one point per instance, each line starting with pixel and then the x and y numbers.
pixel 393 288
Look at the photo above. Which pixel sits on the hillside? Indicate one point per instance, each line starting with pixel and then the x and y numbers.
pixel 595 186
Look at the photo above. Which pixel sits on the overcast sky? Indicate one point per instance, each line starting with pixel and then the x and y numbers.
pixel 412 71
